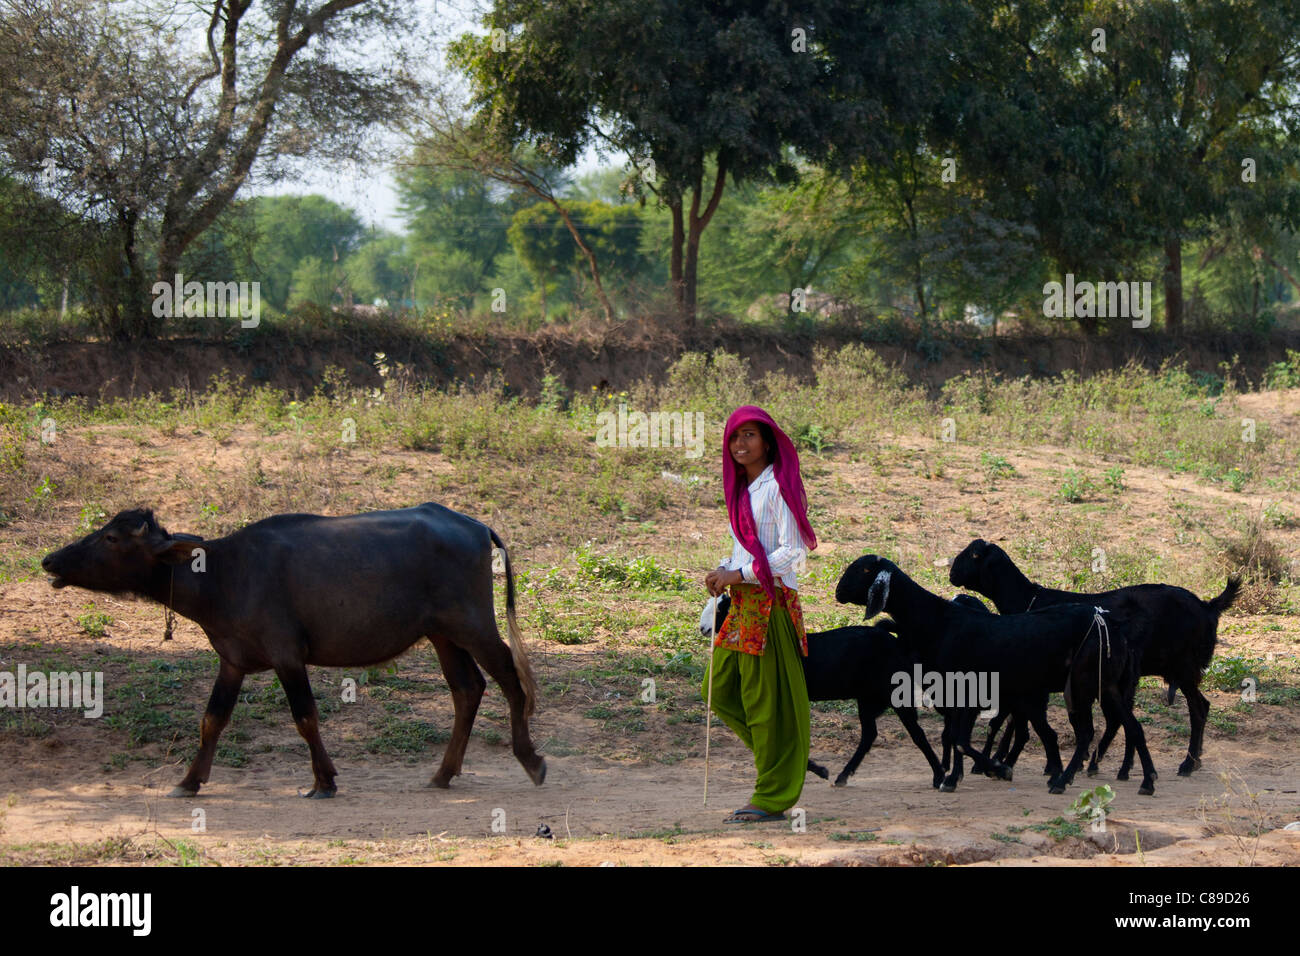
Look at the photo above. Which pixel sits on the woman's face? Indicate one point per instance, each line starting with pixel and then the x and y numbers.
pixel 747 446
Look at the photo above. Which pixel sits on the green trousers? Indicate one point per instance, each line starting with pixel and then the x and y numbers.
pixel 765 701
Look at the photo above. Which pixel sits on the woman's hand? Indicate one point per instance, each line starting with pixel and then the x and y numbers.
pixel 718 581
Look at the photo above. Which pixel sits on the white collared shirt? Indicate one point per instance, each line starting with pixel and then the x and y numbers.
pixel 778 533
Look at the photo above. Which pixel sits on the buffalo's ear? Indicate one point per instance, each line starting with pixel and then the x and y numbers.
pixel 176 549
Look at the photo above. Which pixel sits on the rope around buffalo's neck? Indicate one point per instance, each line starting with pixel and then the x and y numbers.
pixel 1031 602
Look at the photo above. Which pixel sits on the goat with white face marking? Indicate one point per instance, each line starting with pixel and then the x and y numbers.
pixel 1057 648
pixel 858 664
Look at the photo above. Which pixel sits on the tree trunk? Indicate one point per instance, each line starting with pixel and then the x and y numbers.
pixel 591 260
pixel 130 308
pixel 675 258
pixel 697 224
pixel 1173 283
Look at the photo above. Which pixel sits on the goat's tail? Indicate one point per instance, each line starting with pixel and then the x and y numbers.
pixel 522 668
pixel 1224 601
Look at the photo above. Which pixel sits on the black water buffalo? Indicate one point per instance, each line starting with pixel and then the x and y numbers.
pixel 298 589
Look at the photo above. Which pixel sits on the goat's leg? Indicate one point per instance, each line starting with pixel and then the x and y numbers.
pixel 908 716
pixel 1051 745
pixel 1007 760
pixel 1100 753
pixel 225 692
pixel 492 654
pixel 952 720
pixel 965 723
pixel 1113 707
pixel 293 677
pixel 1081 721
pixel 994 726
pixel 1198 710
pixel 945 740
pixel 868 737
pixel 467 686
pixel 1007 743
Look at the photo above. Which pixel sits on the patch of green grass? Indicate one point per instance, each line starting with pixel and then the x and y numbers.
pixel 1227 673
pixel 405 737
pixel 1058 828
pixel 149 705
pixel 859 836
pixel 94 623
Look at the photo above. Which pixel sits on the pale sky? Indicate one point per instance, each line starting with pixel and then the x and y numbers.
pixel 371 192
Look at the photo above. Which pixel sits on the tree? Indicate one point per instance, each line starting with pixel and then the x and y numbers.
pixel 290 229
pixel 549 238
pixel 1114 128
pixel 677 86
pixel 453 146
pixel 153 140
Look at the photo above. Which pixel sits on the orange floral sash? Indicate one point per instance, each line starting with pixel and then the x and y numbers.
pixel 745 628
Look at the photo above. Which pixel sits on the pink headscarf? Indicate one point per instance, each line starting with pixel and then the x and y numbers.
pixel 735 483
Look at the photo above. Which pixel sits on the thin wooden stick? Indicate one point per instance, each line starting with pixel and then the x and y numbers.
pixel 708 710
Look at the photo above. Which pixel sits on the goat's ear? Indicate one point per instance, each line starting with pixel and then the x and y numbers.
pixel 177 549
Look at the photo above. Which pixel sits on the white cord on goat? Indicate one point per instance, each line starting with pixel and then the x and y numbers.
pixel 1103 640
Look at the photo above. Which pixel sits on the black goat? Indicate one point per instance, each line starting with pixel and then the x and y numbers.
pixel 1172 631
pixel 1069 647
pixel 865 664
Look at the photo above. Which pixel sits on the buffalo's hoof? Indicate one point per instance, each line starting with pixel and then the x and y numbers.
pixel 1187 766
pixel 841 781
pixel 1122 774
pixel 1092 770
pixel 1056 788
pixel 1004 772
pixel 1147 789
pixel 817 770
pixel 179 791
pixel 938 781
pixel 318 793
pixel 538 774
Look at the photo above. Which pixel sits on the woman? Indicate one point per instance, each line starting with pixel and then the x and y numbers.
pixel 758 683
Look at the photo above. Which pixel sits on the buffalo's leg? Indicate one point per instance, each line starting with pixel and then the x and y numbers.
pixel 467 685
pixel 908 716
pixel 225 691
pixel 494 657
pixel 868 737
pixel 297 688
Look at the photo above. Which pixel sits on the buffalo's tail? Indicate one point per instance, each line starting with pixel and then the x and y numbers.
pixel 522 668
